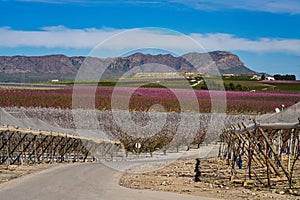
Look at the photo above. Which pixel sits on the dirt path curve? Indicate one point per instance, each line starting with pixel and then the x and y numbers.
pixel 84 181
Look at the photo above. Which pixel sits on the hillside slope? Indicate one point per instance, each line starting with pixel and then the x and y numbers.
pixel 45 68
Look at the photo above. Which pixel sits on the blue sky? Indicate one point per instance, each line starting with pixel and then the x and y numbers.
pixel 265 34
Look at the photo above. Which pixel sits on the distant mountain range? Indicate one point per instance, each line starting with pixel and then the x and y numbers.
pixel 45 68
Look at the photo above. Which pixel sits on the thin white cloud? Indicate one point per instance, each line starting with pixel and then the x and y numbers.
pixel 230 42
pixel 273 6
pixel 62 37
pixel 56 36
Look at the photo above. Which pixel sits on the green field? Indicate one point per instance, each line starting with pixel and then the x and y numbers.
pixel 230 84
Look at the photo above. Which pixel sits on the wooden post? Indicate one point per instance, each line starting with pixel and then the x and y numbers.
pixel 52 148
pixel 290 142
pixel 228 152
pixel 5 143
pixel 65 149
pixel 295 147
pixel 7 149
pixel 233 162
pixel 34 150
pixel 279 146
pixel 10 152
pixel 62 150
pixel 274 152
pixel 22 151
pixel 267 164
pixel 44 150
pixel 55 148
pixel 249 162
pixel 27 146
pixel 220 147
pixel 87 151
pixel 1 142
pixel 36 147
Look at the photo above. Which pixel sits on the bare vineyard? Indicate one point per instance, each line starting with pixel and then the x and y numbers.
pixel 266 152
pixel 177 130
pixel 18 146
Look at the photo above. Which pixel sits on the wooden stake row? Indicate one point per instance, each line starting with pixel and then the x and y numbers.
pixel 268 151
pixel 19 146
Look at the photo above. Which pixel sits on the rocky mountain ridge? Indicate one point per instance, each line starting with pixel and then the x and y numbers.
pixel 225 62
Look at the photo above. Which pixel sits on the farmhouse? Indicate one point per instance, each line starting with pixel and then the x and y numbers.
pixel 54 81
pixel 270 78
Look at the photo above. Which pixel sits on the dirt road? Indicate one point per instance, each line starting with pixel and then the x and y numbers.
pixel 82 181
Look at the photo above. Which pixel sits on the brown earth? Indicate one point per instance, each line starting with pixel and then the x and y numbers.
pixel 179 177
pixel 16 171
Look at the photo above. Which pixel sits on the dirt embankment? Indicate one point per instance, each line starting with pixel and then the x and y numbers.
pixel 179 177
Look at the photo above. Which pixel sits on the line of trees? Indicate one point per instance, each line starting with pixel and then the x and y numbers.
pixel 288 77
pixel 235 87
pixel 213 85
